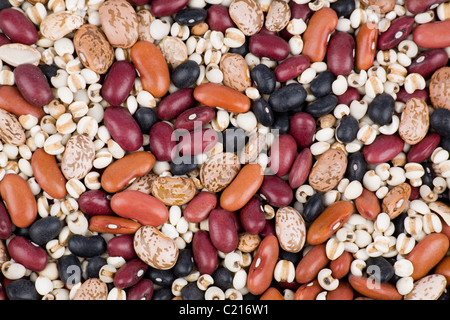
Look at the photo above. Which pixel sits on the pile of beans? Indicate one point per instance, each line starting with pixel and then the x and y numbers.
pixel 224 149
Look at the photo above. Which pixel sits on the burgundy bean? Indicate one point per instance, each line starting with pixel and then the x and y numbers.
pixel 33 84
pixel 4 39
pixel 174 104
pixel 218 18
pixel 95 202
pixel 276 191
pixel 300 11
pixel 421 151
pixel 269 46
pixel 5 222
pixel 123 128
pixel 282 154
pixel 28 254
pixel 291 67
pixel 418 6
pixel 121 246
pixel 302 128
pixel 205 254
pixel 162 8
pixel 162 143
pixel 143 290
pixel 222 230
pixel 269 229
pixel 384 148
pixel 18 27
pixel 399 29
pixel 118 82
pixel 251 216
pixel 340 53
pixel 403 96
pixel 194 118
pixel 197 141
pixel 139 2
pixel 300 168
pixel 428 62
pixel 200 206
pixel 130 273
pixel 348 96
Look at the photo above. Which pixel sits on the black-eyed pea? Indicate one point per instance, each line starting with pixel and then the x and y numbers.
pixel 326 280
pixel 284 271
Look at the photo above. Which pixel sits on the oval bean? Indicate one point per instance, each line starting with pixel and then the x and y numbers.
pixel 30 255
pixel 282 154
pixel 161 8
pixel 291 67
pixel 432 35
pixel 217 95
pixel 340 57
pixel 113 224
pixel 123 128
pixel 205 254
pixel 200 207
pixel 121 246
pixel 269 46
pixel 300 168
pixel 251 216
pixel 218 18
pixel 398 31
pixel 95 202
pixel 276 191
pixel 302 128
pixel 222 230
pixel 130 274
pixel 428 62
pixel 118 82
pixel 86 247
pixel 366 45
pixel 312 262
pixel 45 229
pixel 18 27
pixel 383 149
pixel 32 84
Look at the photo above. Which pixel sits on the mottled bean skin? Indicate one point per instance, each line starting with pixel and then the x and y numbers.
pixel 118 82
pixel 398 31
pixel 18 27
pixel 432 35
pixel 32 84
pixel 366 45
pixel 205 254
pixel 222 230
pixel 130 273
pixel 428 62
pixel 123 128
pixel 23 251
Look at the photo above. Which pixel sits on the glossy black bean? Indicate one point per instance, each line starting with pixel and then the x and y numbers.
pixel 86 247
pixel 185 263
pixel 22 289
pixel 191 16
pixel 379 269
pixel 322 106
pixel 399 223
pixel 45 229
pixel 161 278
pixel 381 109
pixel 321 85
pixel 429 175
pixel 242 50
pixel 49 70
pixel 288 97
pixel 162 294
pixel 69 268
pixel 356 166
pixel 94 265
pixel 183 164
pixel 445 143
pixel 145 118
pixel 233 139
pixel 440 121
pixel 343 8
pixel 281 123
pixel 223 278
pixel 4 4
pixel 264 78
pixel 185 74
pixel 347 129
pixel 24 232
pixel 192 292
pixel 313 207
pixel 263 112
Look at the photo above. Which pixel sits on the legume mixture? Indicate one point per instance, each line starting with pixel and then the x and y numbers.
pixel 224 149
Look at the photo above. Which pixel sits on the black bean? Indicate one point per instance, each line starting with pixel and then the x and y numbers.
pixel 440 121
pixel 223 278
pixel 94 265
pixel 343 8
pixel 281 123
pixel 429 175
pixel 49 70
pixel 381 109
pixel 183 164
pixel 356 167
pixel 4 4
pixel 45 229
pixel 313 207
pixel 322 106
pixel 242 50
pixel 162 294
pixel 192 292
pixel 399 224
pixel 321 85
pixel 162 278
pixel 22 289
pixel 234 139
pixel 263 112
pixel 86 247
pixel 69 268
pixel 288 98
pixel 293 257
pixel 185 263
pixel 191 16
pixel 264 77
pixel 185 74
pixel 145 118
pixel 379 269
pixel 445 143
pixel 347 129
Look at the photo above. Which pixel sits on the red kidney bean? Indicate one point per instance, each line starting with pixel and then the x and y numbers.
pixel 31 256
pixel 205 254
pixel 300 11
pixel 300 168
pixel 197 141
pixel 403 96
pixel 130 273
pixel 291 67
pixel 366 45
pixel 399 29
pixel 383 149
pixel 218 18
pixel 123 128
pixel 121 246
pixel 12 101
pixel 251 216
pixel 269 229
pixel 5 223
pixel 302 128
pixel 200 206
pixel 282 154
pixel 222 230
pixel 344 291
pixel 312 262
pixel 340 267
pixel 418 6
pixel 95 202
pixel 161 8
pixel 428 62
pixel 118 82
pixel 421 151
pixel 139 2
pixel 340 53
pixel 308 291
pixel 174 104
pixel 162 143
pixel 276 191
pixel 143 290
pixel 432 35
pixel 4 39
pixel 113 224
pixel 371 289
pixel 269 46
pixel 18 27
pixel 348 96
pixel 33 84
pixel 194 118
pixel 415 193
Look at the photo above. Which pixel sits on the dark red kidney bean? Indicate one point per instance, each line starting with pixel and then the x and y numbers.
pixel 205 254
pixel 174 104
pixel 197 141
pixel 200 206
pixel 340 53
pixel 348 96
pixel 322 106
pixel 343 8
pixel 218 18
pixel 398 31
pixel 300 168
pixel 30 255
pixel 291 67
pixel 302 128
pixel 288 98
pixel 121 246
pixel 222 230
pixel 32 84
pixel 421 151
pixel 190 16
pixel 269 229
pixel 118 82
pixel 415 193
pixel 4 39
pixel 130 273
pixel 22 289
pixel 194 118
pixel 143 290
pixel 282 154
pixel 5 222
pixel 18 27
pixel 86 247
pixel 276 191
pixel 428 62
pixel 300 11
pixel 269 46
pixel 383 149
pixel 340 267
pixel 123 128
pixel 418 6
pixel 403 96
pixel 185 74
pixel 264 78
pixel 45 229
pixel 95 202
pixel 161 8
pixel 162 143
pixel 251 216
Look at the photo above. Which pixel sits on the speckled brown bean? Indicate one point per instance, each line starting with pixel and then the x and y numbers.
pixel 78 157
pixel 92 289
pixel 173 191
pixel 396 199
pixel 278 15
pixel 340 53
pixel 290 229
pixel 312 262
pixel 218 171
pixel 11 131
pixel 440 88
pixel 382 6
pixel 328 170
pixel 236 73
pixel 415 121
pixel 247 15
